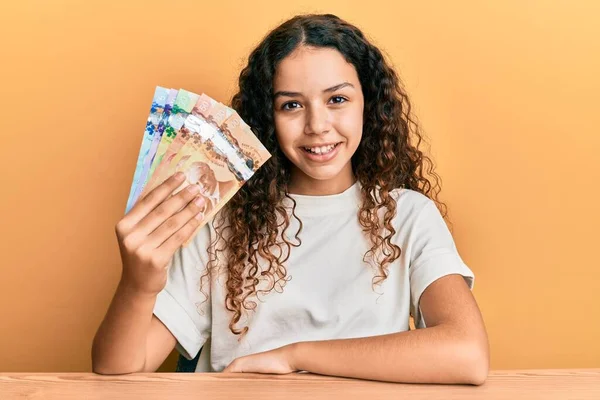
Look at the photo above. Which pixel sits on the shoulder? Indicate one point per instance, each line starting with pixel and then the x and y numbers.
pixel 417 215
pixel 410 201
pixel 409 205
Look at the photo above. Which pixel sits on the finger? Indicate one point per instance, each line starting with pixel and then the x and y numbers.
pixel 145 205
pixel 166 210
pixel 177 229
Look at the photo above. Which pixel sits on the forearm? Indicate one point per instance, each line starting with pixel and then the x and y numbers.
pixel 120 343
pixel 437 354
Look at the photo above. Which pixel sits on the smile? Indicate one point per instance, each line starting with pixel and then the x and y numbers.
pixel 321 150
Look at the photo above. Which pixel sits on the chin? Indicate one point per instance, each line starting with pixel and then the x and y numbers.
pixel 324 174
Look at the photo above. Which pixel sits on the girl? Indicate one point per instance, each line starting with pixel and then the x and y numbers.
pixel 319 261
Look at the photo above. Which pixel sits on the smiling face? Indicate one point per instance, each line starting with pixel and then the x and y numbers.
pixel 318 113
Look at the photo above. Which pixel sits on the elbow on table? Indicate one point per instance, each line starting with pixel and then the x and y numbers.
pixel 102 367
pixel 104 370
pixel 476 365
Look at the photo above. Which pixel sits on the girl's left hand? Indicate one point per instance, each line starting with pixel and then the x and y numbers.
pixel 277 361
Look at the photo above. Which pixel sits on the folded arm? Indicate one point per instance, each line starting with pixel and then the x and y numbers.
pixel 452 349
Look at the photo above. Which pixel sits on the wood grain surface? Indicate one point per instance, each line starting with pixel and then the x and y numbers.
pixel 517 384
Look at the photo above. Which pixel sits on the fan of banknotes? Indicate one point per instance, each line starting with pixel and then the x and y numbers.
pixel 204 139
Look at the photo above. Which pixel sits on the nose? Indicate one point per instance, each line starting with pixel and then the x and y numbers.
pixel 318 121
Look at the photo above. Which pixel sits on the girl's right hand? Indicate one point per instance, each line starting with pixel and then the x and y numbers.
pixel 153 230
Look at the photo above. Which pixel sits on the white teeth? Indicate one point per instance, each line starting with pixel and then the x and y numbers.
pixel 321 150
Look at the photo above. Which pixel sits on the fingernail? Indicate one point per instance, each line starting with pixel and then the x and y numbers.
pixel 199 216
pixel 199 201
pixel 179 176
pixel 193 189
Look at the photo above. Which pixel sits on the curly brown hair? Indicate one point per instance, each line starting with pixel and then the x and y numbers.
pixel 388 157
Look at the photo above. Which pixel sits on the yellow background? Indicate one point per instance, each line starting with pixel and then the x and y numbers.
pixel 507 91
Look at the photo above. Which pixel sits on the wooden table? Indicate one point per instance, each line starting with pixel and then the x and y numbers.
pixel 522 384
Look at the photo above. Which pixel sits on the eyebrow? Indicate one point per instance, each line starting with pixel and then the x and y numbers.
pixel 298 94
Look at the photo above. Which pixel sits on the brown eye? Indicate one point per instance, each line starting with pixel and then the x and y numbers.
pixel 338 100
pixel 290 105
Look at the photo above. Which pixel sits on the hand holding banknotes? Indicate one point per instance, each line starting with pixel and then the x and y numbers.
pixel 153 230
pixel 195 154
pixel 202 138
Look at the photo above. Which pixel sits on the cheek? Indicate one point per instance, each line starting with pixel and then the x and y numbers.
pixel 287 130
pixel 350 125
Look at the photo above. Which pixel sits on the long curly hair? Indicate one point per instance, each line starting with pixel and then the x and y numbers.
pixel 388 157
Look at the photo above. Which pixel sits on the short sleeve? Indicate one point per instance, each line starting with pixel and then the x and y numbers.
pixel 182 306
pixel 433 255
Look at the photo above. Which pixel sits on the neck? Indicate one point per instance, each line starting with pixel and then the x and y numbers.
pixel 304 185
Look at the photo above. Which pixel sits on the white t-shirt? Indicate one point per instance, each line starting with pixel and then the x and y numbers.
pixel 330 294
